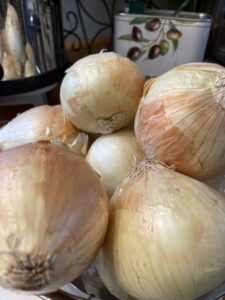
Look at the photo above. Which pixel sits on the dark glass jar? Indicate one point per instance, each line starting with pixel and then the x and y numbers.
pixel 31 37
pixel 216 44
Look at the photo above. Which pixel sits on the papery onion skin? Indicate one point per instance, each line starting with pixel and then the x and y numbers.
pixel 165 238
pixel 113 156
pixel 108 279
pixel 181 119
pixel 100 93
pixel 41 123
pixel 53 217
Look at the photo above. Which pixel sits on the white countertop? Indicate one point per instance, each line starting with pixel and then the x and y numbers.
pixel 8 295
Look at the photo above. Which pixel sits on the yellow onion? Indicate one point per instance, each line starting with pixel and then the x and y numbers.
pixel 43 123
pixel 100 93
pixel 112 156
pixel 181 119
pixel 53 217
pixel 108 278
pixel 165 239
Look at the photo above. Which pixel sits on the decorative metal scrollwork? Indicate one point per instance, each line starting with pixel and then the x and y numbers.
pixel 76 19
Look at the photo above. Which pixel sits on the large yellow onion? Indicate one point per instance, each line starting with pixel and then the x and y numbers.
pixel 108 279
pixel 53 217
pixel 181 119
pixel 165 239
pixel 112 156
pixel 100 93
pixel 43 123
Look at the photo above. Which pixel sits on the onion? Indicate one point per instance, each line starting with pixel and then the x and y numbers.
pixel 113 156
pixel 30 54
pixel 29 69
pixel 2 48
pixel 180 119
pixel 13 35
pixel 42 123
pixel 53 217
pixel 30 64
pixel 100 93
pixel 165 238
pixel 12 67
pixel 108 278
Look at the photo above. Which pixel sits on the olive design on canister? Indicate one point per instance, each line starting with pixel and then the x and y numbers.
pixel 163 36
pixel 134 53
pixel 154 52
pixel 173 34
pixel 164 47
pixel 137 35
pixel 153 25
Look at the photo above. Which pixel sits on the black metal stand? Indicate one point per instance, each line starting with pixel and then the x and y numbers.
pixel 29 84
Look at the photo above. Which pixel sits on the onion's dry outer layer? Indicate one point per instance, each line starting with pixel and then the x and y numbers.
pixel 108 278
pixel 165 238
pixel 43 123
pixel 100 93
pixel 113 156
pixel 53 217
pixel 181 119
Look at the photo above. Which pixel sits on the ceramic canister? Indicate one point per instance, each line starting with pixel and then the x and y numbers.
pixel 158 40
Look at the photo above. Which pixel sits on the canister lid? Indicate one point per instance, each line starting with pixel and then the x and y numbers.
pixel 170 14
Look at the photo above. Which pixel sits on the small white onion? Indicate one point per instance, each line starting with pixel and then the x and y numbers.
pixel 112 156
pixel 53 217
pixel 100 93
pixel 165 239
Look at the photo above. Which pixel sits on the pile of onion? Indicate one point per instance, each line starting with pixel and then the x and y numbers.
pixel 100 93
pixel 113 156
pixel 43 123
pixel 53 217
pixel 165 235
pixel 165 238
pixel 181 119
